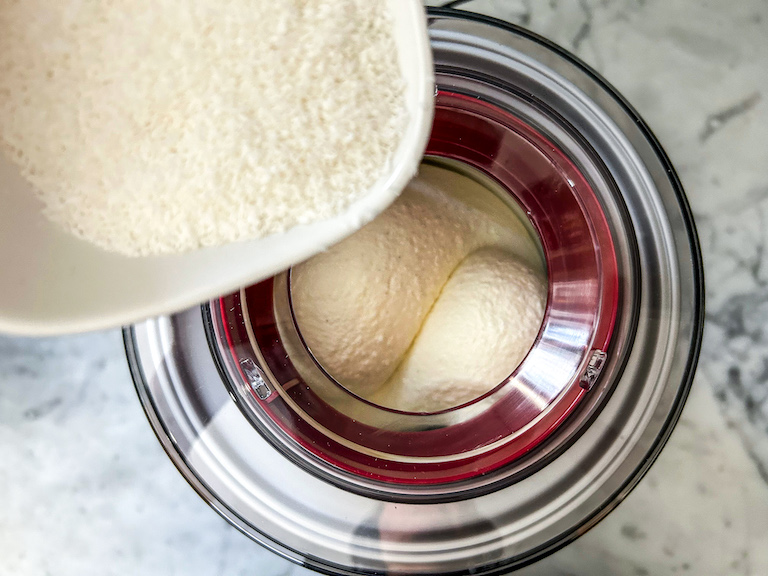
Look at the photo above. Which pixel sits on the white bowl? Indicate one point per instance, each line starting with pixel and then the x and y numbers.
pixel 54 283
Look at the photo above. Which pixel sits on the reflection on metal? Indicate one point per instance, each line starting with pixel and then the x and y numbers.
pixel 255 379
pixel 592 373
pixel 531 392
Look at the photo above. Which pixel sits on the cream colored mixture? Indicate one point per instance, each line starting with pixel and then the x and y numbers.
pixel 429 306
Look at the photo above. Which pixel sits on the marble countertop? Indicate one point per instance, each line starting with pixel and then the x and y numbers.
pixel 86 488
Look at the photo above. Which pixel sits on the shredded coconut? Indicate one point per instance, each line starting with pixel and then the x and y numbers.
pixel 154 127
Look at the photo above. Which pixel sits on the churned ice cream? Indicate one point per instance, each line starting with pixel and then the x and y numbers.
pixel 429 306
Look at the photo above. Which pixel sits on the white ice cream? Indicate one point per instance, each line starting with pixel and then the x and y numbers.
pixel 430 305
pixel 478 331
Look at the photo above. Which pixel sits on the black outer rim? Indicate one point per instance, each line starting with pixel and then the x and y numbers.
pixel 634 478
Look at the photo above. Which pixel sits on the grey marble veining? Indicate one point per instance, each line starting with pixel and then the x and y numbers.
pixel 86 489
pixel 701 510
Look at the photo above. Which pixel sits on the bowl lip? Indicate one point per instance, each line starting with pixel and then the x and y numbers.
pixel 612 500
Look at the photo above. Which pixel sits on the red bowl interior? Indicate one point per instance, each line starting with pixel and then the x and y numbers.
pixel 583 295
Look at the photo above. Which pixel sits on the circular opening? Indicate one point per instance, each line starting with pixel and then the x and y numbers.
pixel 469 302
pixel 292 398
